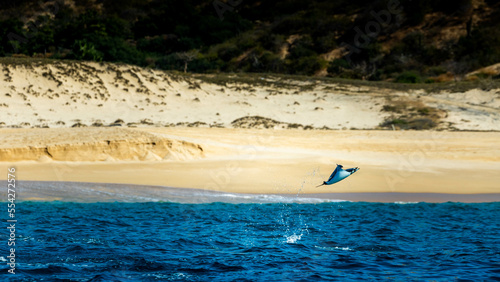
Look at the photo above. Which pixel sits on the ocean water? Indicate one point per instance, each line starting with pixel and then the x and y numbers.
pixel 260 241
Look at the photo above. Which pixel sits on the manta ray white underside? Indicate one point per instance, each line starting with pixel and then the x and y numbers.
pixel 339 174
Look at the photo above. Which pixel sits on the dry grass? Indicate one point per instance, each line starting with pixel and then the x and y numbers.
pixel 286 81
pixel 410 114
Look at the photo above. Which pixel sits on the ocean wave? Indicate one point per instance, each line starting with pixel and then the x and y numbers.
pixel 103 192
pixel 265 242
pixel 210 196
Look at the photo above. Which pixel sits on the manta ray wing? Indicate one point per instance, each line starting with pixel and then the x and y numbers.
pixel 340 174
pixel 352 170
pixel 339 167
pixel 333 175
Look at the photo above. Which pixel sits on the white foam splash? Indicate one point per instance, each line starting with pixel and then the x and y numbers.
pixel 263 198
pixel 405 203
pixel 334 248
pixel 293 238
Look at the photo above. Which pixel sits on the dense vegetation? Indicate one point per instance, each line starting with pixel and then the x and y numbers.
pixel 375 40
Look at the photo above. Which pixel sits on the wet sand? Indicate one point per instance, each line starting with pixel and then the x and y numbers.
pixel 105 192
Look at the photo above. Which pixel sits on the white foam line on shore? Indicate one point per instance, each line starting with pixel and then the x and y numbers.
pixel 101 192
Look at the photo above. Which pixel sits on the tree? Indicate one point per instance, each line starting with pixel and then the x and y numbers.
pixel 187 57
pixel 458 69
pixel 85 50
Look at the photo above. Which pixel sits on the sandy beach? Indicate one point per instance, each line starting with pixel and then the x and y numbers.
pixel 109 123
pixel 260 161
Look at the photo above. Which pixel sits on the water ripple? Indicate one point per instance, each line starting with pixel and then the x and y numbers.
pixel 248 242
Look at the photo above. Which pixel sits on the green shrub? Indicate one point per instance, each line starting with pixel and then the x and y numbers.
pixel 246 41
pixel 307 65
pixel 85 50
pixel 409 77
pixel 302 47
pixel 390 108
pixel 482 75
pixel 399 122
pixel 170 62
pixel 416 124
pixel 350 74
pixel 227 50
pixel 421 124
pixel 258 60
pixel 205 63
pixel 481 48
pixel 157 44
pixel 115 49
pixel 273 42
pixel 389 123
pixel 423 111
pixel 338 66
pixel 435 71
pixel 325 43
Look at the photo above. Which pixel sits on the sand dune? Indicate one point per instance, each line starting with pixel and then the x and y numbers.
pixel 65 94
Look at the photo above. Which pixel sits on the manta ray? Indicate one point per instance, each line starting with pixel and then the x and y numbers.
pixel 339 174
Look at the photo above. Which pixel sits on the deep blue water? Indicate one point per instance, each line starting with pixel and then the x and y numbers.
pixel 255 242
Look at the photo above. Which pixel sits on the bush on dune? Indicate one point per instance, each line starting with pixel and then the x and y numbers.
pixel 284 36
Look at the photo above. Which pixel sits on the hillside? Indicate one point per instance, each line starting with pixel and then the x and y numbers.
pixel 402 41
pixel 48 93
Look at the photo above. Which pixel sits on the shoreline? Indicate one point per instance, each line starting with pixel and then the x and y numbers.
pixel 262 161
pixel 87 192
